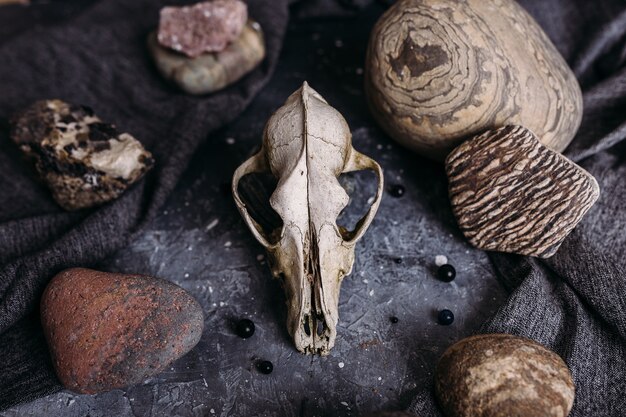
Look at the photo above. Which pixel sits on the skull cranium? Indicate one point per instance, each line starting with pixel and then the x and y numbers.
pixel 306 146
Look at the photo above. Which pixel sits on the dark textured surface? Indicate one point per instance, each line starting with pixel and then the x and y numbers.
pixel 225 275
pixel 108 331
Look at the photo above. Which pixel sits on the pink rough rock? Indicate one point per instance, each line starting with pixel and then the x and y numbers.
pixel 203 27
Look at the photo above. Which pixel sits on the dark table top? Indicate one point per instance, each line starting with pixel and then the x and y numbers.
pixel 200 242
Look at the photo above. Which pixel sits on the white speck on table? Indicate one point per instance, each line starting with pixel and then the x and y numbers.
pixel 212 224
pixel 441 260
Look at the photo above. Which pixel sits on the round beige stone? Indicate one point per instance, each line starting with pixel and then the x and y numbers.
pixel 500 375
pixel 210 72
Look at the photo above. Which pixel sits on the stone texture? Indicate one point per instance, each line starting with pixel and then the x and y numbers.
pixel 509 193
pixel 439 71
pixel 203 27
pixel 84 161
pixel 500 375
pixel 108 330
pixel 212 71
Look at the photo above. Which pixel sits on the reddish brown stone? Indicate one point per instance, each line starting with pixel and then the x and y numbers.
pixel 107 330
pixel 204 27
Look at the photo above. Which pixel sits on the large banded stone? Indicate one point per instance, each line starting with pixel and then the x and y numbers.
pixel 108 330
pixel 500 375
pixel 84 161
pixel 510 193
pixel 440 71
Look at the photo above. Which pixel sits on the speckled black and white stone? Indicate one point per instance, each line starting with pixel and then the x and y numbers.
pixel 84 161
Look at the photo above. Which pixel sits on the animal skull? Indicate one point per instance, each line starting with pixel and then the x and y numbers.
pixel 306 146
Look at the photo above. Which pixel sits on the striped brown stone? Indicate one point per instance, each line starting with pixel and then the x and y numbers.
pixel 500 375
pixel 510 193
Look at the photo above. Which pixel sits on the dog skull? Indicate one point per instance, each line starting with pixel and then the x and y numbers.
pixel 306 146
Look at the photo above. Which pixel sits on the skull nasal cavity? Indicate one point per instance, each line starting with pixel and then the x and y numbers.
pixel 418 59
pixel 320 327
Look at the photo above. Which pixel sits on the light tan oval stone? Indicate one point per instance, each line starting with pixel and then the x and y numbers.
pixel 210 72
pixel 500 375
pixel 439 71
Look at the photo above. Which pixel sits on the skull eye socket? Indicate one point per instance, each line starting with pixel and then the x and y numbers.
pixel 255 190
pixel 360 201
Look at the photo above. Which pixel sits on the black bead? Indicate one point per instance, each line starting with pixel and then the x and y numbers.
pixel 398 260
pixel 396 190
pixel 394 319
pixel 245 328
pixel 445 317
pixel 446 273
pixel 265 367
